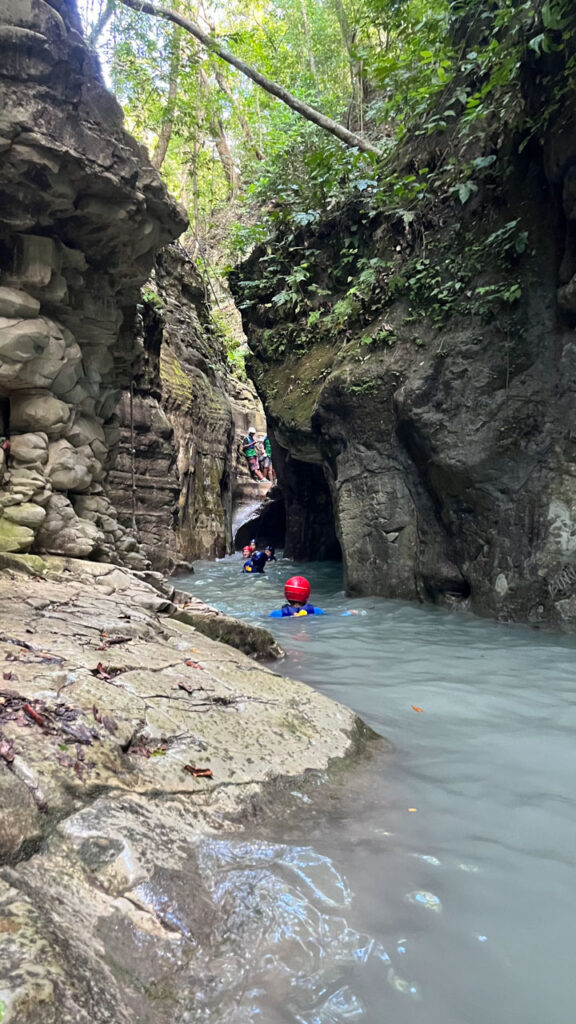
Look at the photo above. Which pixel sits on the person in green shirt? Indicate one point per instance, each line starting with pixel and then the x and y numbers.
pixel 251 454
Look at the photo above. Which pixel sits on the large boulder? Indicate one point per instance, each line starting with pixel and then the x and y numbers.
pixel 69 468
pixel 15 303
pixel 64 533
pixel 14 537
pixel 40 411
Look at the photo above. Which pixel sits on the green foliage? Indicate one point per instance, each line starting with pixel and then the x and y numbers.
pixel 452 90
pixel 151 298
pixel 235 347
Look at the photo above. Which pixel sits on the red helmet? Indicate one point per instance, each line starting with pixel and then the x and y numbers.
pixel 297 588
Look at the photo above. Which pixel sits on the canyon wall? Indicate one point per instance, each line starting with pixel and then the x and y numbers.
pixel 83 219
pixel 82 213
pixel 184 419
pixel 433 426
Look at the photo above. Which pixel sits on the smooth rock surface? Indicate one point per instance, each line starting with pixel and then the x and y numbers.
pixel 104 916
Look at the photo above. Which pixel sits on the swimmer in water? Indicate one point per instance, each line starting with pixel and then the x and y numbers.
pixel 256 562
pixel 297 592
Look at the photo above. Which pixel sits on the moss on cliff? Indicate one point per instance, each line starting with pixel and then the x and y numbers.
pixel 416 345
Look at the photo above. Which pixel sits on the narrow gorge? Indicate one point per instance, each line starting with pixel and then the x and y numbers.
pixel 132 716
pixel 362 259
pixel 418 368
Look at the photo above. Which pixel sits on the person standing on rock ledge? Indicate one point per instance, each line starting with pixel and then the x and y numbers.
pixel 265 458
pixel 249 449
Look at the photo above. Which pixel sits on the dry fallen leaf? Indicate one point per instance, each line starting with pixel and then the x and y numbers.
pixel 198 773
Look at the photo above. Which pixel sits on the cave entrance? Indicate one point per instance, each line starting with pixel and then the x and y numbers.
pixel 298 513
pixel 310 524
pixel 266 523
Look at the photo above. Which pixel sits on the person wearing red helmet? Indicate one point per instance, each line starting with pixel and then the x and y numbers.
pixel 297 592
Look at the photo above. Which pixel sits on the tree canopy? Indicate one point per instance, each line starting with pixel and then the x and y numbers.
pixel 385 70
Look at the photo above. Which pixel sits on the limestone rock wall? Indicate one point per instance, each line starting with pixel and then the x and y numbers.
pixel 91 366
pixel 82 213
pixel 185 417
pixel 448 451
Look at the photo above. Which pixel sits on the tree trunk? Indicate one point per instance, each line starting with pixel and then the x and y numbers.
pixel 308 38
pixel 170 108
pixel 310 113
pixel 354 64
pixel 344 26
pixel 241 119
pixel 220 141
pixel 101 23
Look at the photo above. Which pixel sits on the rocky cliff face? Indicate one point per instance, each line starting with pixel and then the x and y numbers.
pixel 184 418
pixel 83 216
pixel 82 213
pixel 444 444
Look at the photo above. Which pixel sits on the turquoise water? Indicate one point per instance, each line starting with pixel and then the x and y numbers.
pixel 452 852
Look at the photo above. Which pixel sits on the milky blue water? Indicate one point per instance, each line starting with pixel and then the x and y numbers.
pixel 436 884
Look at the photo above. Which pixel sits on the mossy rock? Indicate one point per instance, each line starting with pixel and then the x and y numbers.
pixel 26 514
pixel 28 565
pixel 14 537
pixel 251 640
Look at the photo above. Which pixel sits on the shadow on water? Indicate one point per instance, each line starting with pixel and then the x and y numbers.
pixel 434 882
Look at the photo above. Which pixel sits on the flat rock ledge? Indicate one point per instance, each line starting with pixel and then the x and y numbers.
pixel 127 737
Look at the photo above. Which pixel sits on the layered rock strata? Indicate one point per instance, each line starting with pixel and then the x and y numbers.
pixel 181 424
pixel 82 213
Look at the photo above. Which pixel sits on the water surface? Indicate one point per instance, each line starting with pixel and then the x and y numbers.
pixel 452 854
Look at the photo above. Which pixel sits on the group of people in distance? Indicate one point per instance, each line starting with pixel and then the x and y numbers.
pixel 255 558
pixel 296 589
pixel 258 455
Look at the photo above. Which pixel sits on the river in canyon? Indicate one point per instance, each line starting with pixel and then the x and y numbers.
pixel 432 881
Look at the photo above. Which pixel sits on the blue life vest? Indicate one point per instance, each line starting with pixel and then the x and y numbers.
pixel 289 610
pixel 256 563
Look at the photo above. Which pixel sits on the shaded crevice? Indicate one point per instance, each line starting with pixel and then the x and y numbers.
pixel 267 525
pixel 310 523
pixel 438 575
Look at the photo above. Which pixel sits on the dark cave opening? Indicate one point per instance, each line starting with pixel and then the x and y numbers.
pixel 298 515
pixel 266 526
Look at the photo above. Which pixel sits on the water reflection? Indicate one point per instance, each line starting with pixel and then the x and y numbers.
pixel 281 945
